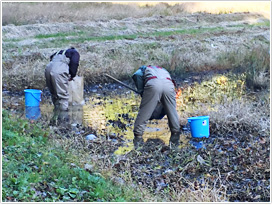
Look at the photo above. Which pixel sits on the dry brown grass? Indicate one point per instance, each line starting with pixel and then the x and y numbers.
pixel 178 52
pixel 44 12
pixel 206 193
pixel 254 62
pixel 243 114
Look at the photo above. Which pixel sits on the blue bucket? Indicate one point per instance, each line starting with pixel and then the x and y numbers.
pixel 33 112
pixel 32 97
pixel 199 126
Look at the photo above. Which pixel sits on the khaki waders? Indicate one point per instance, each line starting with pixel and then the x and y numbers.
pixel 158 88
pixel 57 76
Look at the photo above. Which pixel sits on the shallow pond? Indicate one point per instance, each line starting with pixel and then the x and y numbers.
pixel 109 114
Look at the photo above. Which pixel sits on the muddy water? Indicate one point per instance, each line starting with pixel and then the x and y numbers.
pixel 111 115
pixel 115 115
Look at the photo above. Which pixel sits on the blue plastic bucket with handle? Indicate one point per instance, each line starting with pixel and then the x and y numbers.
pixel 32 97
pixel 199 126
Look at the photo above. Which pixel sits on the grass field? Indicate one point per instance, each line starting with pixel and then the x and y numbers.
pixel 42 12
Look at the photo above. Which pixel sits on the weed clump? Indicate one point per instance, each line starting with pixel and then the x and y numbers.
pixel 255 63
pixel 35 170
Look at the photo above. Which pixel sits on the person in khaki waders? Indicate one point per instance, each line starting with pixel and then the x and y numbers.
pixel 61 69
pixel 157 90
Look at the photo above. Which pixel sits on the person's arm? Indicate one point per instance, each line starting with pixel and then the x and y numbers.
pixel 52 56
pixel 138 78
pixel 74 61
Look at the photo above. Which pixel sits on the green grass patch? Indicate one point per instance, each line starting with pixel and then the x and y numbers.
pixel 265 23
pixel 81 37
pixel 81 34
pixel 58 35
pixel 36 170
pixel 61 39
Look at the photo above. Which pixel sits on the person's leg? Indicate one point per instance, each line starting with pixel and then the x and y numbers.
pixel 60 83
pixel 49 83
pixel 169 103
pixel 149 102
pixel 60 117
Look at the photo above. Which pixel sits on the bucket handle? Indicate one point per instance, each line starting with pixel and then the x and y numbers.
pixel 36 98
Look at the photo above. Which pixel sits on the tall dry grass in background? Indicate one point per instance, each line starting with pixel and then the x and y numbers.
pixel 20 13
pixel 113 56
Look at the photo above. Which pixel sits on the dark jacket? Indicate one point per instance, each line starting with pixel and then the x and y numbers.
pixel 74 57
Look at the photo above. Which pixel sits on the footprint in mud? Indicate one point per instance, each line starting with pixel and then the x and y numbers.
pixel 154 144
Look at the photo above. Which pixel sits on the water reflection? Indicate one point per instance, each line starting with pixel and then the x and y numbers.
pixel 198 144
pixel 32 112
pixel 76 114
pixel 112 115
pixel 69 119
pixel 109 116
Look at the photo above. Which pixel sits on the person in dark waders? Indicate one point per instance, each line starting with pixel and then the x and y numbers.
pixel 61 69
pixel 157 89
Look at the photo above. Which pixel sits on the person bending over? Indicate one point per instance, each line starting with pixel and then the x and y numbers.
pixel 157 89
pixel 61 69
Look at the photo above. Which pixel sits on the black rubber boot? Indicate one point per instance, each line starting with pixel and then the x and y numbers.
pixel 174 139
pixel 138 141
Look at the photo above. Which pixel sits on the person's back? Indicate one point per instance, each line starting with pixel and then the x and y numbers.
pixel 158 72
